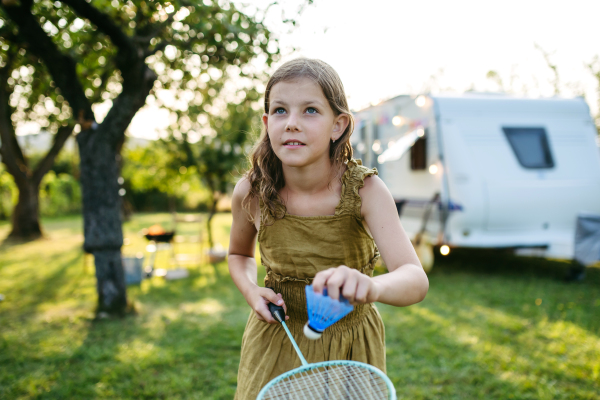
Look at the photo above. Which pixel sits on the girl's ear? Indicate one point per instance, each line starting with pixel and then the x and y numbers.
pixel 265 120
pixel 339 126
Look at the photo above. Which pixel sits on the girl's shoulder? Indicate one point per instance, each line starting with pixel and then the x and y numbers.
pixel 372 191
pixel 241 189
pixel 358 182
pixel 363 187
pixel 240 199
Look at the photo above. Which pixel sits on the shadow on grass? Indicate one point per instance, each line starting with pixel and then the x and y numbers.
pixel 207 280
pixel 432 354
pixel 459 345
pixel 9 243
pixel 184 343
pixel 503 262
pixel 429 363
pixel 37 285
pixel 530 287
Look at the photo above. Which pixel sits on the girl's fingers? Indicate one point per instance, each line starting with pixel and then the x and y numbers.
pixel 271 296
pixel 362 291
pixel 263 314
pixel 336 281
pixel 258 316
pixel 282 304
pixel 321 279
pixel 349 288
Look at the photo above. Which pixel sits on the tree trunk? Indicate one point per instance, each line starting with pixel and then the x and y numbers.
pixel 26 214
pixel 102 216
pixel 110 282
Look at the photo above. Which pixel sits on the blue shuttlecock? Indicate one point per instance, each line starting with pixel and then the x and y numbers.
pixel 323 311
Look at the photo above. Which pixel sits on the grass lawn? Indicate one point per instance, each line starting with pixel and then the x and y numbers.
pixel 492 327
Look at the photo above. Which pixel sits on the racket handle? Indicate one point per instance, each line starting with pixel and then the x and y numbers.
pixel 276 311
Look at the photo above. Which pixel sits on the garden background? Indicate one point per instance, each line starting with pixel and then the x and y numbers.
pixel 79 191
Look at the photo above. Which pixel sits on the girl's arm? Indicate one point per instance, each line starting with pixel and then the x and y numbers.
pixel 242 264
pixel 406 283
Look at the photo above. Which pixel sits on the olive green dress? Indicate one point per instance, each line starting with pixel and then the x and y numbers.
pixel 293 249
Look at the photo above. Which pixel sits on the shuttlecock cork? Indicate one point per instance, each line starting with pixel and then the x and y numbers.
pixel 323 311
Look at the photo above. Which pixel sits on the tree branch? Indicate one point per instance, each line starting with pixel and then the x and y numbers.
pixel 147 33
pixel 103 22
pixel 46 163
pixel 11 153
pixel 103 82
pixel 60 66
pixel 138 79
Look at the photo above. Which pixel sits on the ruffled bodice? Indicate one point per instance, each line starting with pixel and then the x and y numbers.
pixel 295 248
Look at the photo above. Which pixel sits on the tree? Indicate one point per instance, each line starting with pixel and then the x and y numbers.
pixel 553 67
pixel 26 95
pixel 594 68
pixel 219 155
pixel 7 192
pixel 150 45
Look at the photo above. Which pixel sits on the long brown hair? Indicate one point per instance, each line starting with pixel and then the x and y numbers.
pixel 266 174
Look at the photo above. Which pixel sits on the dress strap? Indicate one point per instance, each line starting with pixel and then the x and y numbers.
pixel 352 180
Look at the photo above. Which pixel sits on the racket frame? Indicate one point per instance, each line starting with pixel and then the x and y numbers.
pixel 309 367
pixel 279 315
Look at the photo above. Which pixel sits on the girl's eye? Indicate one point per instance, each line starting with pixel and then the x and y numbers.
pixel 279 110
pixel 311 110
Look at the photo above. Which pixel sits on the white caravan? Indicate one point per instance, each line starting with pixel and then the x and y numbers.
pixel 496 171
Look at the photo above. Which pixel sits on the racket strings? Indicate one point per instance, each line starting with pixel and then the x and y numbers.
pixel 340 382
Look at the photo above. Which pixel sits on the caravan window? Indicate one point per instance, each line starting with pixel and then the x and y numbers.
pixel 530 146
pixel 418 154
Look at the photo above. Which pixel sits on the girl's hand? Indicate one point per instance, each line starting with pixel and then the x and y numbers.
pixel 259 301
pixel 356 287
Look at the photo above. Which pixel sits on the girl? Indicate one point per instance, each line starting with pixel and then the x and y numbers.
pixel 320 217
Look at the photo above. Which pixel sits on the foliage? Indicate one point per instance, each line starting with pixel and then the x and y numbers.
pixel 8 193
pixel 594 68
pixel 479 334
pixel 60 194
pixel 66 162
pixel 219 156
pixel 34 99
pixel 158 169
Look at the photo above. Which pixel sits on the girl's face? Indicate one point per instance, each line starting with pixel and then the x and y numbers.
pixel 300 122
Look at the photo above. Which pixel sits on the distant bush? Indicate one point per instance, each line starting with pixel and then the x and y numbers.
pixel 59 195
pixel 156 179
pixel 8 194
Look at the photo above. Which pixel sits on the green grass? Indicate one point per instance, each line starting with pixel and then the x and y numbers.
pixel 492 327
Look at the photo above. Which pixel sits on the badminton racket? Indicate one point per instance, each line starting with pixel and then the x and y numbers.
pixel 328 380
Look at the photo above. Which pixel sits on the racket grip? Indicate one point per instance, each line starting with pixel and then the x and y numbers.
pixel 276 311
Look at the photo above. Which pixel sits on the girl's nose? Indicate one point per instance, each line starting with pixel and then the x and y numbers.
pixel 292 123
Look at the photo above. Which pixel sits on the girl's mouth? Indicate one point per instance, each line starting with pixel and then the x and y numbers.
pixel 293 143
